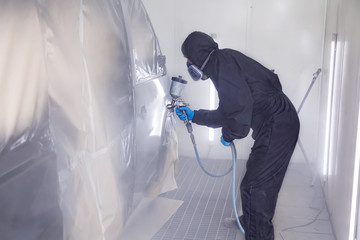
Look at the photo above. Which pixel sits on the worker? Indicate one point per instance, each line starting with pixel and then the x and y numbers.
pixel 250 96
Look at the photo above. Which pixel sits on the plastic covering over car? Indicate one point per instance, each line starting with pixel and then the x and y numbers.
pixel 84 130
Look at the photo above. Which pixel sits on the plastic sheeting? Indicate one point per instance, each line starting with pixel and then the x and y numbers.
pixel 84 131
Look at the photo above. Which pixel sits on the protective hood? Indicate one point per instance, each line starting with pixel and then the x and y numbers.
pixel 197 46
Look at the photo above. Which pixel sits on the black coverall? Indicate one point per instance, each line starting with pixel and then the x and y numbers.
pixel 250 96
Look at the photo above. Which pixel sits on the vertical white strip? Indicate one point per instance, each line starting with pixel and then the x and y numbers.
pixel 211 107
pixel 328 128
pixel 355 189
pixel 354 201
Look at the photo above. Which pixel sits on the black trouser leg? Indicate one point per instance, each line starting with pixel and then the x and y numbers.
pixel 266 169
pixel 259 207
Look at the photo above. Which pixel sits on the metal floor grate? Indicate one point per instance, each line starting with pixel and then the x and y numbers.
pixel 207 202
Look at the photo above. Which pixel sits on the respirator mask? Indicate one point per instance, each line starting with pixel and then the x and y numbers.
pixel 196 73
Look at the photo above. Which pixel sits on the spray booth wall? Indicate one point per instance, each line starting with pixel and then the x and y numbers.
pixel 285 35
pixel 84 131
pixel 340 95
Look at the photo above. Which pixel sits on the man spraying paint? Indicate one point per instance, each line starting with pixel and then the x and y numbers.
pixel 250 96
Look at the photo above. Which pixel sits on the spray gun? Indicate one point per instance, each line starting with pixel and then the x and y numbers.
pixel 177 85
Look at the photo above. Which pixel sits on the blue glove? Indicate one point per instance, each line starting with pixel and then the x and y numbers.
pixel 188 112
pixel 225 143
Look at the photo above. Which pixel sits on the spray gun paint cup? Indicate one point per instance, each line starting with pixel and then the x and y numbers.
pixel 177 85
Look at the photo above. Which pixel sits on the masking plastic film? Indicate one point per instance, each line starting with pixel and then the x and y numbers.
pixel 84 131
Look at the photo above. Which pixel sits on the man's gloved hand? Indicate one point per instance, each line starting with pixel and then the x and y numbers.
pixel 188 112
pixel 225 143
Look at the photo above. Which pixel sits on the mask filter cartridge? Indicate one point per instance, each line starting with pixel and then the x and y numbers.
pixel 196 73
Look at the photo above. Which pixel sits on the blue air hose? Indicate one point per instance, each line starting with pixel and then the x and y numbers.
pixel 233 151
pixel 233 168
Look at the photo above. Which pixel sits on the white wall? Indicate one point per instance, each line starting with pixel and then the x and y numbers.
pixel 340 166
pixel 288 36
pixel 285 35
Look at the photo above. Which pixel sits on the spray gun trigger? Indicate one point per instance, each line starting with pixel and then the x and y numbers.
pixel 186 121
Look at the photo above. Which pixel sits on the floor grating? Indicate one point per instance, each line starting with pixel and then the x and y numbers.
pixel 207 202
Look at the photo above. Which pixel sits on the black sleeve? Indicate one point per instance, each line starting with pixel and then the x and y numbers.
pixel 236 103
pixel 210 118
